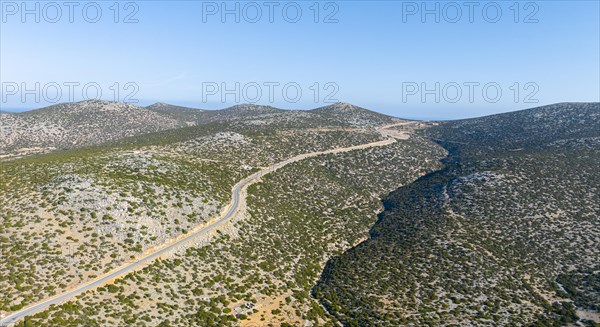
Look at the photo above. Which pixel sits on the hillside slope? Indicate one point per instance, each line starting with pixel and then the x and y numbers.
pixel 89 123
pixel 189 115
pixel 353 115
pixel 115 201
pixel 79 124
pixel 506 234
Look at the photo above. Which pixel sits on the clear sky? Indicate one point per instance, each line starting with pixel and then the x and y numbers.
pixel 381 55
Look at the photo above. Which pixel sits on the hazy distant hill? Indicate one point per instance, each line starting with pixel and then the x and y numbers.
pixel 506 234
pixel 165 107
pixel 72 125
pixel 353 115
pixel 86 123
pixel 241 110
pixel 191 116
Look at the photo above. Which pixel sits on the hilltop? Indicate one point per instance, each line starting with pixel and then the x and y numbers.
pixel 76 125
pixel 95 122
pixel 161 106
pixel 354 115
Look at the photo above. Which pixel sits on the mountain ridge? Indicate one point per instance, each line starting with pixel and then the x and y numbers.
pixel 93 122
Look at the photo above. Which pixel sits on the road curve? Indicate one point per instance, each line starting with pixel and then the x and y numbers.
pixel 237 198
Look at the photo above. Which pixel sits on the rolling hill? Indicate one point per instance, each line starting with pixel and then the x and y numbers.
pixel 76 125
pixel 506 233
pixel 94 122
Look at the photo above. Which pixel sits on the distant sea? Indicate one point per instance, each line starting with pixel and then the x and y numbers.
pixel 10 109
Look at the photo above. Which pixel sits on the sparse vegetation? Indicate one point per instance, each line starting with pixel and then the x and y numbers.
pixel 489 239
pixel 502 233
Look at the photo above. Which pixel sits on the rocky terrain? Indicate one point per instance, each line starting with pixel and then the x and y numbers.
pixel 261 268
pixel 490 221
pixel 76 125
pixel 94 208
pixel 353 115
pixel 506 234
pixel 95 122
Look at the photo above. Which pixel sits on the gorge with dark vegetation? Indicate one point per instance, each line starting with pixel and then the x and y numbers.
pixel 507 233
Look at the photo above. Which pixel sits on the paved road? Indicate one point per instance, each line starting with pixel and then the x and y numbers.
pixel 237 199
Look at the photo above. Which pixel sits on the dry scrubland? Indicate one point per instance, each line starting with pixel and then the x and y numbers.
pixel 263 267
pixel 506 234
pixel 75 214
pixel 73 125
pixel 502 231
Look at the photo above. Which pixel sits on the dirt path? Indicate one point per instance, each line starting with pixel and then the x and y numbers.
pixel 238 200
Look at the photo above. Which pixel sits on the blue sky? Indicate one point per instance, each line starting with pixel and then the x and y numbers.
pixel 377 54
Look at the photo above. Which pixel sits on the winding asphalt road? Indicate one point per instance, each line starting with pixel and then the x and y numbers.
pixel 238 198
